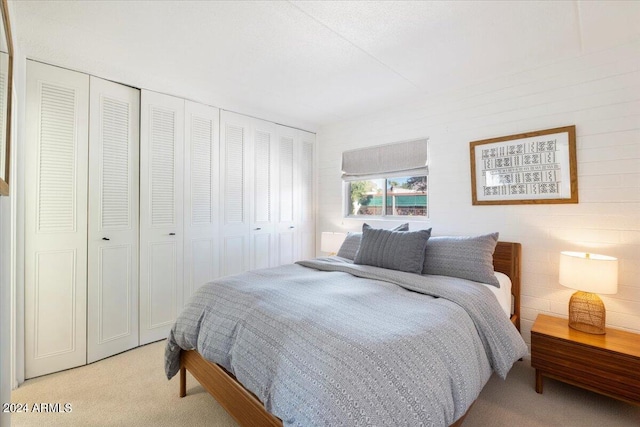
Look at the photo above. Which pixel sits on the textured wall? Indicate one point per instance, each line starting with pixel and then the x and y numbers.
pixel 600 94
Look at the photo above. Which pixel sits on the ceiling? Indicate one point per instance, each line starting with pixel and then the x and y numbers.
pixel 312 63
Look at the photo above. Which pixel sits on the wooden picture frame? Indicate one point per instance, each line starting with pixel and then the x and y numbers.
pixel 6 63
pixel 527 168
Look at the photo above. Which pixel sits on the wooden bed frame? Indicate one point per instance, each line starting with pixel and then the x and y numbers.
pixel 247 409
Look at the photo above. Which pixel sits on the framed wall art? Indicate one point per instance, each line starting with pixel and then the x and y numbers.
pixel 527 168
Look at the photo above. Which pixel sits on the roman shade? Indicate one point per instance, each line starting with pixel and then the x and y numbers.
pixel 407 158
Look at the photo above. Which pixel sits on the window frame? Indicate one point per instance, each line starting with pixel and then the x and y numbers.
pixel 346 200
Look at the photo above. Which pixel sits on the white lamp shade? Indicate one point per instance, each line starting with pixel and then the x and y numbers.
pixel 589 272
pixel 331 242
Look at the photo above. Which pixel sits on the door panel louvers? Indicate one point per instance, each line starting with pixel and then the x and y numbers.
pixel 57 159
pixel 201 170
pixel 234 175
pixel 115 164
pixel 162 166
pixel 306 179
pixel 286 179
pixel 262 190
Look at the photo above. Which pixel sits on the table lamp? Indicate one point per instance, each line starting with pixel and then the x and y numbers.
pixel 588 273
pixel 331 242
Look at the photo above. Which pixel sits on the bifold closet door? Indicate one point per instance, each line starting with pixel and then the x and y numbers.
pixel 161 213
pixel 288 197
pixel 201 196
pixel 296 196
pixel 56 153
pixel 307 227
pixel 263 195
pixel 113 219
pixel 235 154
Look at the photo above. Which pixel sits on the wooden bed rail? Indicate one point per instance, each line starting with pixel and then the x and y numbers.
pixel 240 403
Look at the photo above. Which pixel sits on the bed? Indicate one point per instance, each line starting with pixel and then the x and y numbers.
pixel 247 407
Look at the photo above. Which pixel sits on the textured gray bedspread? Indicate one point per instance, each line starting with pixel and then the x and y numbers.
pixel 347 345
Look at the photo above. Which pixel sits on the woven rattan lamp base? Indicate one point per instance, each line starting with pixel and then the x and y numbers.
pixel 587 313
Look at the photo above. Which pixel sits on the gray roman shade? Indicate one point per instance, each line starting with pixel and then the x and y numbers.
pixel 399 159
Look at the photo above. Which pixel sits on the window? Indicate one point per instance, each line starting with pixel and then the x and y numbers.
pixel 388 180
pixel 402 196
pixel 365 197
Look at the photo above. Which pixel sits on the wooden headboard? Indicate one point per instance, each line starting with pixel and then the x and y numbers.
pixel 506 259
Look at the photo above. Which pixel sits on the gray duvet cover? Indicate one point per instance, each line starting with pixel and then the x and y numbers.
pixel 329 343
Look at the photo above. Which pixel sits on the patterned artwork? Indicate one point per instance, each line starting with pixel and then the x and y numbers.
pixel 534 168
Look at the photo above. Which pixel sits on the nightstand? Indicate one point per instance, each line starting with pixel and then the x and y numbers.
pixel 608 364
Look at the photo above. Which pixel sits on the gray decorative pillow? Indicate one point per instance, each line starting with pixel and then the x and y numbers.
pixel 351 243
pixel 467 257
pixel 395 250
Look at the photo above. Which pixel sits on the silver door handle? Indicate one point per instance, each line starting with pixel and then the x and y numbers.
pixel 257 228
pixel 291 226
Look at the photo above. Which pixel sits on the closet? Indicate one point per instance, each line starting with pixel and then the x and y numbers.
pixel 134 199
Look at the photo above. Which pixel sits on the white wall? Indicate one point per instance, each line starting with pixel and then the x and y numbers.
pixel 600 94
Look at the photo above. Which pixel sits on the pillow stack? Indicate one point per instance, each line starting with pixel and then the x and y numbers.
pixel 466 257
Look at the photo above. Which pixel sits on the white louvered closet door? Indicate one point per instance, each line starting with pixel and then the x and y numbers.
pixel 201 196
pixel 55 219
pixel 161 213
pixel 113 219
pixel 307 227
pixel 287 188
pixel 235 155
pixel 263 193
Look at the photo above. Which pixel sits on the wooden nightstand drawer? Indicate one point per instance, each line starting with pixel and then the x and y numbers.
pixel 608 364
pixel 606 372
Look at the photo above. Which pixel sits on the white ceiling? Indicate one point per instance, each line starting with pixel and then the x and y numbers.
pixel 310 63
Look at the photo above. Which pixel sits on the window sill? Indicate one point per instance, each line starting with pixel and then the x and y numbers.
pixel 377 218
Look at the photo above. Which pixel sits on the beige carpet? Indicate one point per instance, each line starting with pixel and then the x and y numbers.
pixel 130 389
